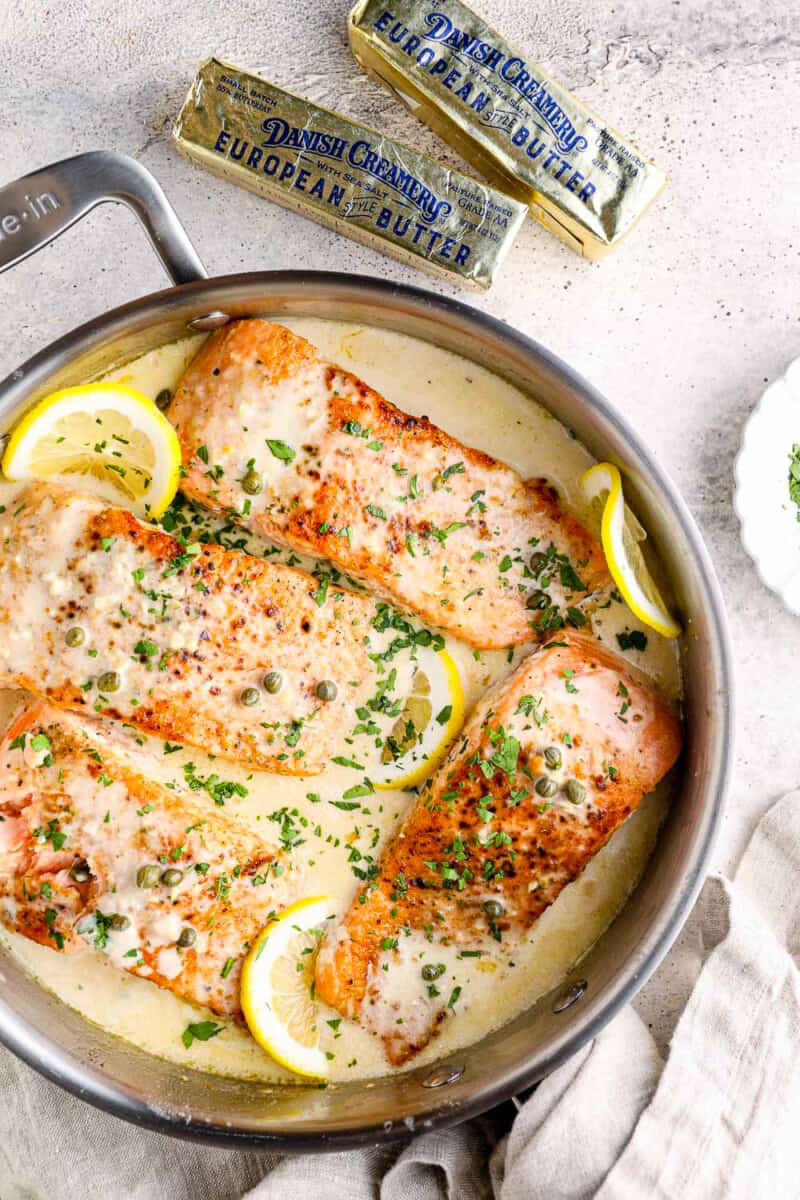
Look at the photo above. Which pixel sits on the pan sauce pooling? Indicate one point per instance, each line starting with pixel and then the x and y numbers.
pixel 457 395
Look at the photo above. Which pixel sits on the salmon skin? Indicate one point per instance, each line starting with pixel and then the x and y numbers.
pixel 429 523
pixel 80 819
pixel 172 635
pixel 487 846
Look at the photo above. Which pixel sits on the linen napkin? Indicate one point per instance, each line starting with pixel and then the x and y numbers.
pixel 719 1118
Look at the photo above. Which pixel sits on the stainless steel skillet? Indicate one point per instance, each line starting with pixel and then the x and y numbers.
pixel 132 1084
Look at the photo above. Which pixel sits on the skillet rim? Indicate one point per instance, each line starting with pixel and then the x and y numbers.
pixel 55 1063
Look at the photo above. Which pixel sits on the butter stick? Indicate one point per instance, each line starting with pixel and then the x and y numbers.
pixel 345 176
pixel 508 118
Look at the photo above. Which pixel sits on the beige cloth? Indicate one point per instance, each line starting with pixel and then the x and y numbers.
pixel 720 1119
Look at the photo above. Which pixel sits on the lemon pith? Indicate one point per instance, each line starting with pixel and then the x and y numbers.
pixel 620 545
pixel 109 432
pixel 277 998
pixel 424 751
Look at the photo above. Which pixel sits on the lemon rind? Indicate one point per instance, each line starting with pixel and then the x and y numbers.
pixel 449 732
pixel 166 475
pixel 611 529
pixel 282 928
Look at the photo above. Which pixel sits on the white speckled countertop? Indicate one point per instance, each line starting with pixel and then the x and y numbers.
pixel 681 328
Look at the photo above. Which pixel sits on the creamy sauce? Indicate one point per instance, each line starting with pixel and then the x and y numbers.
pixel 486 412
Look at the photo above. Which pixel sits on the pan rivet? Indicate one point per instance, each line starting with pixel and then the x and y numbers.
pixel 212 320
pixel 440 1076
pixel 570 995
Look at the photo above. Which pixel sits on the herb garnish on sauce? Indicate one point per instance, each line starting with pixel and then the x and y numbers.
pixel 794 477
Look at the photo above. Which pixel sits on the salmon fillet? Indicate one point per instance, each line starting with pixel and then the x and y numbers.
pixel 79 818
pixel 431 524
pixel 185 630
pixel 482 852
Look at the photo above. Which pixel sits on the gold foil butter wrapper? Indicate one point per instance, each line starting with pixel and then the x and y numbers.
pixel 510 120
pixel 345 176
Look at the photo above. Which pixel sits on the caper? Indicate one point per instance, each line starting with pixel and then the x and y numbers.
pixel 493 909
pixel 546 787
pixel 273 682
pixel 147 877
pixel 537 599
pixel 109 681
pixel 552 756
pixel 432 971
pixel 80 871
pixel 75 636
pixel 171 876
pixel 118 922
pixel 327 690
pixel 538 562
pixel 575 790
pixel 188 937
pixel 163 398
pixel 250 696
pixel 252 483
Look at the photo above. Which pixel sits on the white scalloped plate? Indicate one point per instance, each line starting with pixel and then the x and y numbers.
pixel 769 525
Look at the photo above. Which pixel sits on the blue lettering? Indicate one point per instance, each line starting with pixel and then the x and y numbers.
pixel 276 130
pixel 535 149
pixel 508 67
pixel 440 26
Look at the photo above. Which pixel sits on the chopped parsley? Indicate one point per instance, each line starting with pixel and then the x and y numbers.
pixel 320 595
pixel 794 477
pixel 218 789
pixel 280 450
pixel 200 1031
pixel 51 833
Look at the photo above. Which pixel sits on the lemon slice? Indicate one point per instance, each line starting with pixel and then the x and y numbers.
pixel 621 534
pixel 106 431
pixel 277 988
pixel 431 717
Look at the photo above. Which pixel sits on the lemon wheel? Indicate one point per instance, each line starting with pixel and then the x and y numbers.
pixel 277 987
pixel 107 432
pixel 621 536
pixel 431 717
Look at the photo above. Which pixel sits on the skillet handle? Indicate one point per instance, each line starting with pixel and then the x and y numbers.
pixel 39 207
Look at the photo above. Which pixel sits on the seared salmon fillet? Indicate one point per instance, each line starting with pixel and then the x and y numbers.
pixel 550 763
pixel 101 612
pixel 305 453
pixel 86 841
